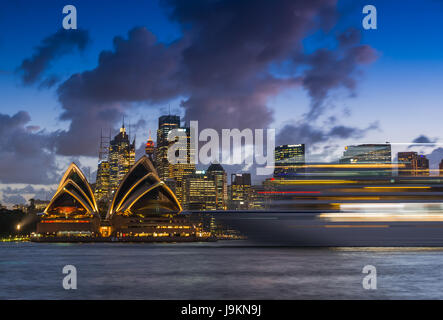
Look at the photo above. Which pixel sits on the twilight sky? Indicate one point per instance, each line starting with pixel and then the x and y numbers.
pixel 306 68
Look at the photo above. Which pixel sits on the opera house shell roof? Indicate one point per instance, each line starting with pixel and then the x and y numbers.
pixel 74 197
pixel 141 193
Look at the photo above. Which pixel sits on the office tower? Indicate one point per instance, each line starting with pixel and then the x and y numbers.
pixel 219 176
pixel 165 124
pixel 367 153
pixel 199 192
pixel 102 181
pixel 184 153
pixel 412 164
pixel 121 158
pixel 287 158
pixel 240 190
pixel 184 164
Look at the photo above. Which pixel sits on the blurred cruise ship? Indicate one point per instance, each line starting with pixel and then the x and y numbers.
pixel 349 203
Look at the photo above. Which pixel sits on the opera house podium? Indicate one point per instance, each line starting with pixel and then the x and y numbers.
pixel 143 208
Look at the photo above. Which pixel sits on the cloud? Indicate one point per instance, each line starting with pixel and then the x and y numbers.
pixel 26 154
pixel 21 195
pixel 304 132
pixel 52 47
pixel 424 139
pixel 332 69
pixel 435 157
pixel 14 199
pixel 220 68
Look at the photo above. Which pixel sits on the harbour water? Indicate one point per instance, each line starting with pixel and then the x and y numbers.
pixel 221 270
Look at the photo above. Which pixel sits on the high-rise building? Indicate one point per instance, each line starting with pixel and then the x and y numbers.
pixel 165 124
pixel 367 153
pixel 121 158
pixel 287 158
pixel 218 174
pixel 199 192
pixel 240 190
pixel 184 164
pixel 102 181
pixel 441 167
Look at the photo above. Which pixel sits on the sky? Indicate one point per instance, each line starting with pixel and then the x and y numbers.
pixel 306 68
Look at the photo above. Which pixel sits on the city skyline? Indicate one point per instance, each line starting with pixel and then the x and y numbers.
pixel 388 86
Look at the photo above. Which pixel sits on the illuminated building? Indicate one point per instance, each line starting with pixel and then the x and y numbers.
pixel 72 210
pixel 219 176
pixel 121 158
pixel 440 166
pixel 102 181
pixel 199 192
pixel 413 164
pixel 185 164
pixel 240 190
pixel 165 124
pixel 287 158
pixel 143 208
pixel 367 153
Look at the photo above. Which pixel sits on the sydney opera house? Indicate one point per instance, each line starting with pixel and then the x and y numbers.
pixel 143 208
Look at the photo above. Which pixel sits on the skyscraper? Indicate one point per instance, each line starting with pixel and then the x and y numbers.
pixel 287 157
pixel 184 165
pixel 218 175
pixel 165 124
pixel 102 181
pixel 185 153
pixel 121 158
pixel 440 166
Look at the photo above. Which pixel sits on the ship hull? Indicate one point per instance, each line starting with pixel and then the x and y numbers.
pixel 308 229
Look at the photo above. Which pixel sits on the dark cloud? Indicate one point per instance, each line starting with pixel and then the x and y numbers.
pixel 52 47
pixel 422 139
pixel 26 154
pixel 332 69
pixel 220 67
pixel 304 132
